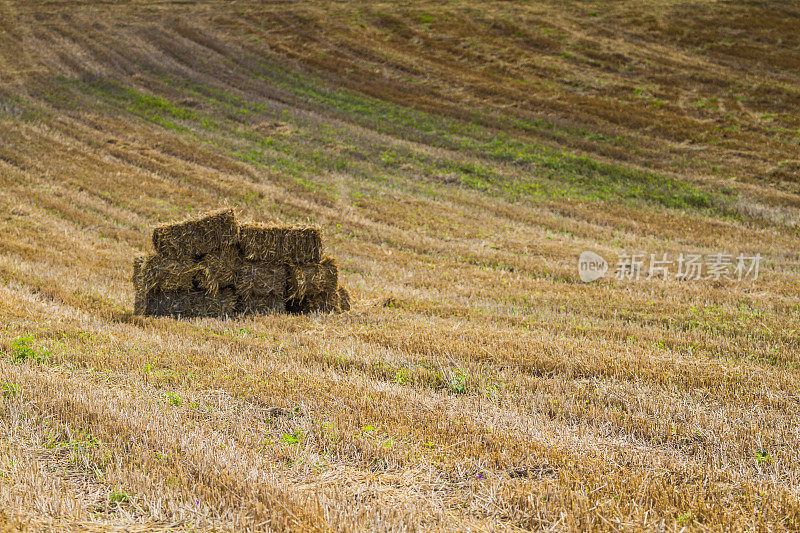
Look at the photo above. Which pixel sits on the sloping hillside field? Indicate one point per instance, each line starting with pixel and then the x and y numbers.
pixel 458 158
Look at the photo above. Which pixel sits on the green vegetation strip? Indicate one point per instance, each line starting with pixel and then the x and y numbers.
pixel 508 166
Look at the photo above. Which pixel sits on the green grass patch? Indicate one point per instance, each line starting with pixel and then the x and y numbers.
pixel 548 172
pixel 506 164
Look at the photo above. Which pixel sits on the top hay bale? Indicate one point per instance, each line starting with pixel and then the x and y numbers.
pixel 198 236
pixel 281 244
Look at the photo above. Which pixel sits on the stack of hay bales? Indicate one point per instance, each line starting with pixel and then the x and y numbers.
pixel 211 267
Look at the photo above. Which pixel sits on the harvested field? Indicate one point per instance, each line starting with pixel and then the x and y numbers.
pixel 458 158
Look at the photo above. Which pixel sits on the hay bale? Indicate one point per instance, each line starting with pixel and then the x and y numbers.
pixel 303 245
pixel 329 300
pixel 321 302
pixel 208 266
pixel 197 236
pixel 187 304
pixel 281 244
pixel 226 303
pixel 157 273
pixel 261 278
pixel 219 269
pixel 137 267
pixel 261 287
pixel 177 304
pixel 312 279
pixel 262 243
pixel 261 304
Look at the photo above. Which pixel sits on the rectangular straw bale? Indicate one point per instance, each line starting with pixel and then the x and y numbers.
pixel 222 304
pixel 262 243
pixel 261 278
pixel 325 302
pixel 337 300
pixel 137 267
pixel 219 269
pixel 281 244
pixel 330 274
pixel 303 245
pixel 197 236
pixel 191 304
pixel 174 303
pixel 261 304
pixel 226 303
pixel 320 302
pixel 312 279
pixel 158 273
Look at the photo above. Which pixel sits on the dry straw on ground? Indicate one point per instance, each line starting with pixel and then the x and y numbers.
pixel 208 266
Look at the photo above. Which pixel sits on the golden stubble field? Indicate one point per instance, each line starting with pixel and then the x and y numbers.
pixel 458 156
